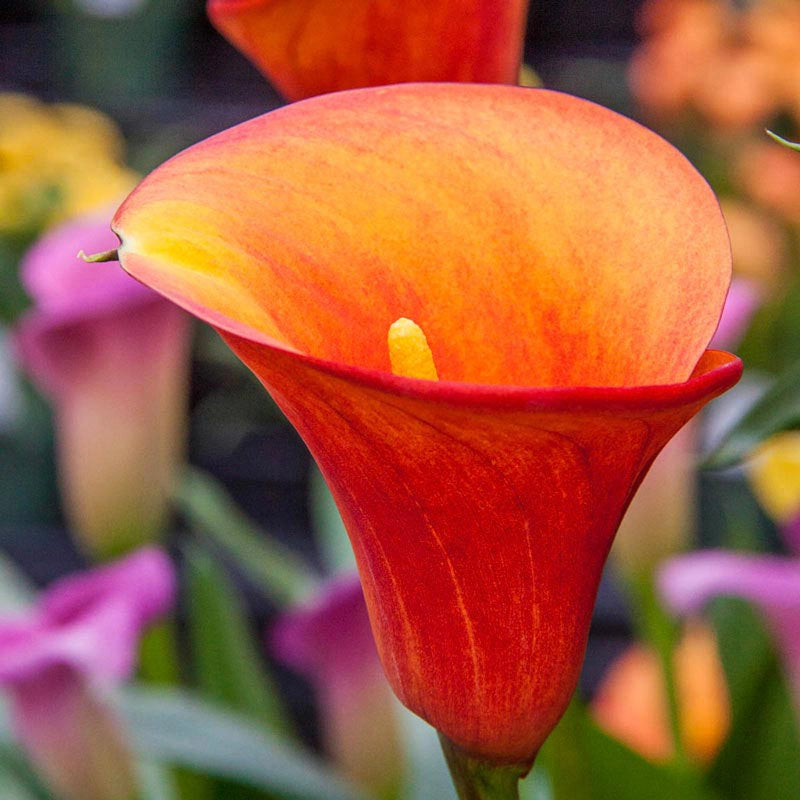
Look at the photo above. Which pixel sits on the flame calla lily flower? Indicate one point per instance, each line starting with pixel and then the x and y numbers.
pixel 319 46
pixel 567 267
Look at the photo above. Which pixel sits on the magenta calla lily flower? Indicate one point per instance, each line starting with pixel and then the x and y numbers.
pixel 112 356
pixel 772 583
pixel 55 661
pixel 329 640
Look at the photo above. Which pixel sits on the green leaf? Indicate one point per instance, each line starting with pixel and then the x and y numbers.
pixel 178 728
pixel 16 592
pixel 536 786
pixel 585 763
pixel 271 566
pixel 155 782
pixel 228 668
pixel 777 410
pixel 760 759
pixel 18 781
pixel 785 142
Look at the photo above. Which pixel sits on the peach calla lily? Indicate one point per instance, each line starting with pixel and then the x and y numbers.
pixel 568 268
pixel 314 47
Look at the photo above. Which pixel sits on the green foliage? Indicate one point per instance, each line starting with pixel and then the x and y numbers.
pixel 174 727
pixel 228 668
pixel 584 763
pixel 272 568
pixel 784 142
pixel 760 759
pixel 17 780
pixel 778 410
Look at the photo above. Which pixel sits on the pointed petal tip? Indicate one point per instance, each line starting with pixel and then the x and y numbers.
pixel 99 258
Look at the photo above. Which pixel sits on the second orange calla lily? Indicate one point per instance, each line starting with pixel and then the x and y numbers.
pixel 567 268
pixel 310 47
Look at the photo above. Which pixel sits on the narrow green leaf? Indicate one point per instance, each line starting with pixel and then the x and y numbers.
pixel 228 668
pixel 564 759
pixel 780 140
pixel 18 781
pixel 661 631
pixel 777 410
pixel 156 782
pixel 16 592
pixel 272 567
pixel 177 728
pixel 760 759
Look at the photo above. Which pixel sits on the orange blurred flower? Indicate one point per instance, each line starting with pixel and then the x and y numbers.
pixel 734 66
pixel 632 706
pixel 770 174
pixel 310 47
pixel 758 243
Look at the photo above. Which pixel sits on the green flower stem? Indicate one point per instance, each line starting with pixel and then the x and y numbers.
pixel 159 664
pixel 479 780
pixel 655 626
pixel 272 567
pixel 159 655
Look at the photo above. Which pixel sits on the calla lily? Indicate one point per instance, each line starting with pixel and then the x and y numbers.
pixel 329 640
pixel 112 356
pixel 567 268
pixel 320 46
pixel 57 660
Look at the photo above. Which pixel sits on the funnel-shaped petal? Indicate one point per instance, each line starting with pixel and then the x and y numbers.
pixel 310 47
pixel 568 268
pixel 112 356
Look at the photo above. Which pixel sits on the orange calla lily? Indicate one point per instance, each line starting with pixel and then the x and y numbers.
pixel 309 47
pixel 567 267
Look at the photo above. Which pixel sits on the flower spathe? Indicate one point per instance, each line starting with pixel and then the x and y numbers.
pixel 55 661
pixel 568 268
pixel 314 47
pixel 112 357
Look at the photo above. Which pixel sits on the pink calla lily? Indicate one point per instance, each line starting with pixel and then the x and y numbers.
pixel 56 660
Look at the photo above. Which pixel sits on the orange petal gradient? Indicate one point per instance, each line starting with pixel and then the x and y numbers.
pixel 568 268
pixel 537 239
pixel 310 47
